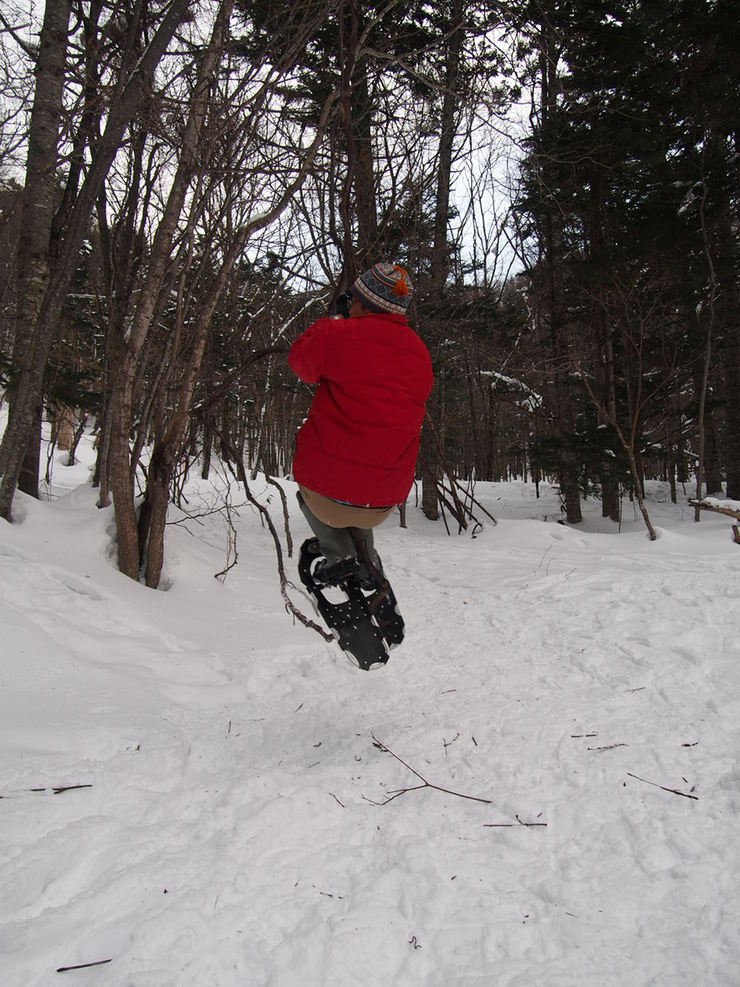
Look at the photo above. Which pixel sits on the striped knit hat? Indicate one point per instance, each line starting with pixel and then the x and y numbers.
pixel 384 288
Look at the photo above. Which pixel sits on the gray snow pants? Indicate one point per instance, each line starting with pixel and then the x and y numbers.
pixel 339 540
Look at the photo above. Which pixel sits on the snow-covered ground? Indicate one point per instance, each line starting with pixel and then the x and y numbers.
pixel 221 825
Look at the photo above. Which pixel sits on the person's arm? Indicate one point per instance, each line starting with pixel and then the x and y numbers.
pixel 308 354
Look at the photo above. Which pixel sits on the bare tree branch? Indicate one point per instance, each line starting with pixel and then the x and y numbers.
pixel 673 791
pixel 424 783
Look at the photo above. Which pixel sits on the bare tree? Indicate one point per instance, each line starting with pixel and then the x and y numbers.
pixel 135 78
pixel 17 58
pixel 37 212
pixel 240 149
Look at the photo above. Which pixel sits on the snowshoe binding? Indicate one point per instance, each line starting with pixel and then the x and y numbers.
pixel 380 598
pixel 358 634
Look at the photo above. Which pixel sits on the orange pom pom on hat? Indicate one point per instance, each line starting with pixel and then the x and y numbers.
pixel 384 288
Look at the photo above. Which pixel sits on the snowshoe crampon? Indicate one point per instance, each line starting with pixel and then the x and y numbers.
pixel 379 595
pixel 383 607
pixel 352 620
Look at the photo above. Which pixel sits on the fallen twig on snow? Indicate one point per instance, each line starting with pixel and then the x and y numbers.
pixel 674 791
pixel 415 788
pixel 83 966
pixel 55 791
pixel 528 825
pixel 449 743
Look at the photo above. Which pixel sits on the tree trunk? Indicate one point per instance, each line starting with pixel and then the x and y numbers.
pixel 363 170
pixel 357 126
pixel 729 319
pixel 671 454
pixel 207 448
pixel 602 330
pixel 121 467
pixel 63 426
pixel 440 256
pixel 556 344
pixel 430 471
pixel 121 250
pixel 28 479
pixel 28 395
pixel 731 360
pixel 169 444
pixel 570 490
pixel 712 471
pixel 78 433
pixel 19 459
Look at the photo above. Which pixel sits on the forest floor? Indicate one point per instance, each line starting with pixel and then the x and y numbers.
pixel 193 784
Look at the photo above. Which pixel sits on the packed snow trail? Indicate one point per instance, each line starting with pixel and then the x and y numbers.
pixel 231 834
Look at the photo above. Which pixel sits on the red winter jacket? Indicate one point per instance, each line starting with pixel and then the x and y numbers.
pixel 360 439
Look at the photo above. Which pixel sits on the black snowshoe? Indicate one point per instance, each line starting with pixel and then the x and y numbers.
pixel 381 599
pixel 367 622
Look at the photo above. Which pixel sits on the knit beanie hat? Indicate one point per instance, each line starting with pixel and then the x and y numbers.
pixel 384 288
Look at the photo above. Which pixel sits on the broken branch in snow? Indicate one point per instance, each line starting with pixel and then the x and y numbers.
pixel 528 825
pixel 415 788
pixel 83 966
pixel 718 508
pixel 55 791
pixel 673 791
pixel 449 743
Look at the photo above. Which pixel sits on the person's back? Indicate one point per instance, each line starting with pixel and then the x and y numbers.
pixel 360 440
pixel 356 452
